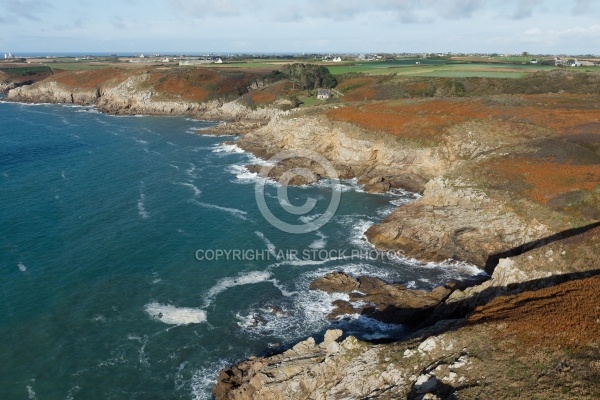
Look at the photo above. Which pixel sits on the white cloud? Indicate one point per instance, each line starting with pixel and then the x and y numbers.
pixel 567 39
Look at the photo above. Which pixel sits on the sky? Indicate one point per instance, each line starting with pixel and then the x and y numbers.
pixel 300 26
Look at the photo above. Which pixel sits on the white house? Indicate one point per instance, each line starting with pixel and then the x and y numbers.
pixel 218 61
pixel 337 59
pixel 323 94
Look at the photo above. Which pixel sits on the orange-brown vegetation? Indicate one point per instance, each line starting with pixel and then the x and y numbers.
pixel 194 84
pixel 358 89
pixel 566 315
pixel 421 119
pixel 177 86
pixel 90 79
pixel 545 179
pixel 561 113
pixel 200 84
pixel 263 97
pixel 268 95
pixel 426 118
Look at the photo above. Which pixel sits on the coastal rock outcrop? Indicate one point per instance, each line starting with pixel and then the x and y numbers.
pixel 487 355
pixel 135 95
pixel 454 221
pixel 53 92
pixel 377 299
pixel 377 161
pixel 6 86
pixel 330 369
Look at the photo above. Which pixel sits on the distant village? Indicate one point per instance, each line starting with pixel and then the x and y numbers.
pixel 586 60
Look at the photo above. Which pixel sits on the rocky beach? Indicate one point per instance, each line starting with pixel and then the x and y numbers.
pixel 509 180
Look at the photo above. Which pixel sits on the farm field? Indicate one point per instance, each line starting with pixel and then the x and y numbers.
pixel 440 69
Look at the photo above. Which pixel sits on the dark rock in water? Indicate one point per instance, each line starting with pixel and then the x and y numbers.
pixel 342 307
pixel 258 319
pixel 335 282
pixel 380 300
pixel 378 184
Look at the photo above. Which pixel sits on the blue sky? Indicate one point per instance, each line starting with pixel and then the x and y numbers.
pixel 337 26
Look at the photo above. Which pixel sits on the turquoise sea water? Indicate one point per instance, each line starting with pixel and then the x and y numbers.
pixel 102 294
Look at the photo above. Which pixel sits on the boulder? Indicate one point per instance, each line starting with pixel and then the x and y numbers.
pixel 335 282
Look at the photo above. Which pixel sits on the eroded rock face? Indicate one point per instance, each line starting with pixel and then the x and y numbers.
pixel 6 86
pixel 52 92
pixel 132 96
pixel 377 161
pixel 452 221
pixel 484 356
pixel 309 370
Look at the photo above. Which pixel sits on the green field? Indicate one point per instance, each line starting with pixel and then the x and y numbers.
pixel 310 101
pixel 439 68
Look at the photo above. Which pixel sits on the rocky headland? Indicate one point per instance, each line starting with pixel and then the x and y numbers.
pixel 509 173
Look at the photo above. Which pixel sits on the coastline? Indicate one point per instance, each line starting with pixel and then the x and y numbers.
pixel 486 228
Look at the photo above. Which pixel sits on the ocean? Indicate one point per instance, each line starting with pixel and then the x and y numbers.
pixel 136 262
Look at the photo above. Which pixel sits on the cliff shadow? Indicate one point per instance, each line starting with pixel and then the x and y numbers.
pixel 493 260
pixel 463 308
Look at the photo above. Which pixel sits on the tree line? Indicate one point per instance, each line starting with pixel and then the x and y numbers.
pixel 308 76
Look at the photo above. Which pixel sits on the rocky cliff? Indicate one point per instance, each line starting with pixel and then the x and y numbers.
pixel 457 217
pixel 137 92
pixel 495 193
pixel 379 161
pixel 507 348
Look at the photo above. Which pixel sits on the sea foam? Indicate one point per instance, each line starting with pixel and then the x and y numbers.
pixel 227 148
pixel 142 207
pixel 233 211
pixel 175 315
pixel 247 278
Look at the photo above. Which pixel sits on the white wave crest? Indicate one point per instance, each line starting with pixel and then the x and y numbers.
pixel 357 232
pixel 307 219
pixel 270 246
pixel 204 379
pixel 197 191
pixel 233 211
pixel 142 207
pixel 175 315
pixel 248 278
pixel 319 243
pixel 227 148
pixel 242 174
pixel 191 171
